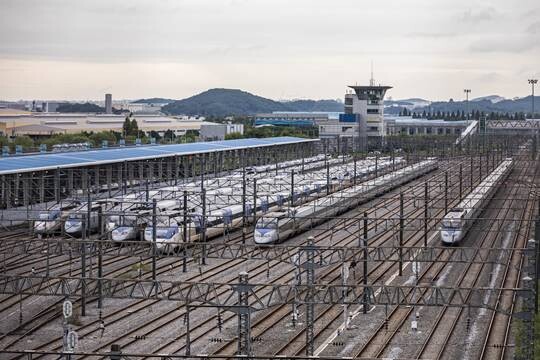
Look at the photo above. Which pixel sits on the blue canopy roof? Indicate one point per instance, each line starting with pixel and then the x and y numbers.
pixel 37 162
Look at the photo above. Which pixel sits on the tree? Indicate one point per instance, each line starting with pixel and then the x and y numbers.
pixel 4 141
pixel 169 135
pixel 97 138
pixel 126 127
pixel 234 135
pixel 134 127
pixel 25 141
pixel 154 134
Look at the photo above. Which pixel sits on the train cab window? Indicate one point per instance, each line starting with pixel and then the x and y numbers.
pixel 267 223
pixel 76 216
pixel 453 223
pixel 50 215
pixel 166 233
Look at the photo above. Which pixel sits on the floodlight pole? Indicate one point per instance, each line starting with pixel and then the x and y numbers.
pixel 467 92
pixel 533 82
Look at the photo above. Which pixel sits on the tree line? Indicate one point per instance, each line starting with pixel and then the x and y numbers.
pixel 462 115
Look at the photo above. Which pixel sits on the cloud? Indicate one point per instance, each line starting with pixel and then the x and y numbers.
pixel 474 16
pixel 534 28
pixel 490 77
pixel 434 35
pixel 505 44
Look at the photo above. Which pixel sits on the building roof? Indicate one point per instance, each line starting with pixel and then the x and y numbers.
pixel 92 122
pixel 36 130
pixel 13 112
pixel 369 87
pixel 407 120
pixel 50 161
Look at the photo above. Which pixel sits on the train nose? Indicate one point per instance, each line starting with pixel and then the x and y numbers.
pixel 450 237
pixel 122 233
pixel 73 226
pixel 265 236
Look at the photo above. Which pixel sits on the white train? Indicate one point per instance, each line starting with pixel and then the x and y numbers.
pixel 125 224
pixel 458 221
pixel 74 223
pixel 278 226
pixel 225 211
pixel 51 220
pixel 220 220
pixel 169 230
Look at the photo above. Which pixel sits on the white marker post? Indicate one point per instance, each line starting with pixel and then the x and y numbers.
pixel 67 309
pixel 72 340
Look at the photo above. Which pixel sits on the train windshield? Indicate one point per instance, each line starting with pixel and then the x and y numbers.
pixel 166 233
pixel 451 223
pixel 76 216
pixel 267 223
pixel 49 215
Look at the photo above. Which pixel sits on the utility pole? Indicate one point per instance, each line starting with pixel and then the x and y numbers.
pixel 532 82
pixel 467 92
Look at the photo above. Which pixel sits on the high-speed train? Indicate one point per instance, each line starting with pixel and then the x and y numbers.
pixel 125 225
pixel 51 220
pixel 459 220
pixel 230 215
pixel 169 230
pixel 278 226
pixel 74 223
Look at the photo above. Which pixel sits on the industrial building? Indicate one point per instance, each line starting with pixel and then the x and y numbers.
pixel 406 125
pixel 126 165
pixel 363 115
pixel 301 119
pixel 211 131
pixel 14 124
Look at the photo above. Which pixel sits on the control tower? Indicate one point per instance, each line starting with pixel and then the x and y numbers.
pixel 367 103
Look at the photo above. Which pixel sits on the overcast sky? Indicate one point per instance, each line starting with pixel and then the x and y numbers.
pixel 281 49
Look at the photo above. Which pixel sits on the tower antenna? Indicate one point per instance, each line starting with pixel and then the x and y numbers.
pixel 371 81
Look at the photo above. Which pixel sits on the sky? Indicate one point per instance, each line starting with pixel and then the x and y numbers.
pixel 281 49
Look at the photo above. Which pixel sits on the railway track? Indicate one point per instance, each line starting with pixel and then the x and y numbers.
pixel 432 347
pixel 227 349
pixel 447 315
pixel 176 318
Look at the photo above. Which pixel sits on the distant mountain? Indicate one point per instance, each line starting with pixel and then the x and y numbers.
pixel 493 98
pixel 79 108
pixel 155 100
pixel 410 104
pixel 486 105
pixel 225 102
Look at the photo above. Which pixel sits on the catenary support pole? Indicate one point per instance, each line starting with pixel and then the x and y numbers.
pixel 185 232
pixel 426 201
pixel 310 306
pixel 401 229
pixel 365 264
pixel 154 238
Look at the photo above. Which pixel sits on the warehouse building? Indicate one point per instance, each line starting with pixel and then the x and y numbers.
pixel 300 119
pixel 211 131
pixel 13 124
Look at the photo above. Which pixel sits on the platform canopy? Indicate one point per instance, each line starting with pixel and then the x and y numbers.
pixel 39 162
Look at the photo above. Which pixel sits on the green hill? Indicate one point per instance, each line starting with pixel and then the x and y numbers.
pixel 155 100
pixel 79 108
pixel 225 102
